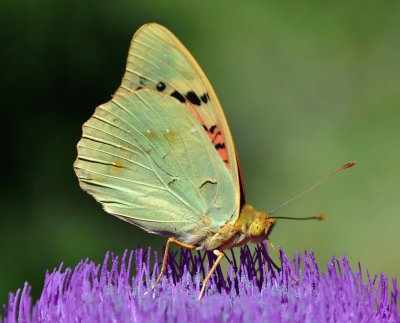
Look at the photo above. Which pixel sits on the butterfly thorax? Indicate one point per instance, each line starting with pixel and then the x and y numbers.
pixel 251 225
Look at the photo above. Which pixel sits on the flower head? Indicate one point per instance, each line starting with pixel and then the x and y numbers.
pixel 252 290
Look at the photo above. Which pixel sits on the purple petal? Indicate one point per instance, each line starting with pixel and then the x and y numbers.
pixel 251 290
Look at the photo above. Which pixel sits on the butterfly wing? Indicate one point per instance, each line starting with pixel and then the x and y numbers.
pixel 145 157
pixel 158 60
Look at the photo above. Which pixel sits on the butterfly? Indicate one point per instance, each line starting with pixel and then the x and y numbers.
pixel 160 154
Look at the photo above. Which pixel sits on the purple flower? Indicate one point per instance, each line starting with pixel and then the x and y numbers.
pixel 252 290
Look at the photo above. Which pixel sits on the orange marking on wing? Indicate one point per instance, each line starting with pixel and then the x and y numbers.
pixel 216 136
pixel 218 141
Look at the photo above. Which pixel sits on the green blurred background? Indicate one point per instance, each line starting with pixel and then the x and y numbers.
pixel 306 86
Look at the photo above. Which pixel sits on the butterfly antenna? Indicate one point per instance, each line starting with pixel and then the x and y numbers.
pixel 348 165
pixel 318 217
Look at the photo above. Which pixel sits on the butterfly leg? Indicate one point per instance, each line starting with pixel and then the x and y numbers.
pixel 275 250
pixel 219 255
pixel 166 252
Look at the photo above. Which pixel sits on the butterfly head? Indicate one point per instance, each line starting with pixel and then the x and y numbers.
pixel 257 224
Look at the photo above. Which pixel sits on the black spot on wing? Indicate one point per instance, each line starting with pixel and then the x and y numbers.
pixel 139 88
pixel 178 96
pixel 219 146
pixel 193 98
pixel 204 97
pixel 212 128
pixel 161 86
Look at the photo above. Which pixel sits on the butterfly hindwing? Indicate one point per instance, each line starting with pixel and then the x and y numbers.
pixel 147 159
pixel 157 60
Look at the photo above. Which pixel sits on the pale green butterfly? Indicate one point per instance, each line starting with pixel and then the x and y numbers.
pixel 160 154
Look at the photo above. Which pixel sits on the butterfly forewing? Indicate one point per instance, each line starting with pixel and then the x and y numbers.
pixel 157 60
pixel 147 159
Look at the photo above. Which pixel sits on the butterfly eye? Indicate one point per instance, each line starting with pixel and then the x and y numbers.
pixel 257 228
pixel 161 86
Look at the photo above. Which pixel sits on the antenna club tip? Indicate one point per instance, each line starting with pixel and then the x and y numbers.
pixel 348 165
pixel 322 217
